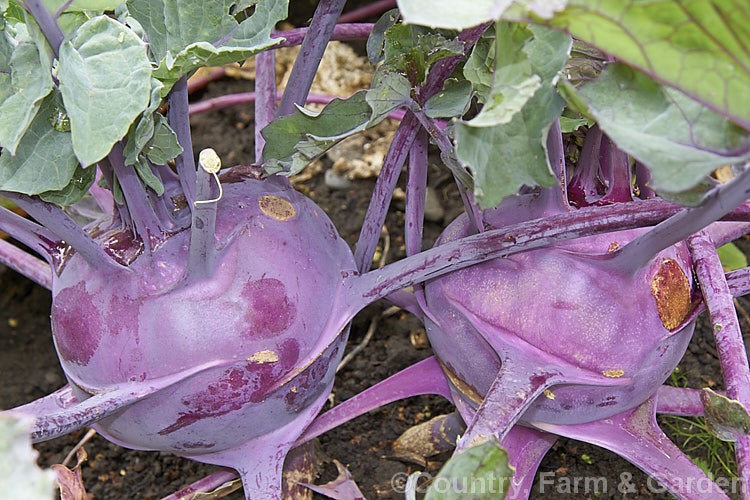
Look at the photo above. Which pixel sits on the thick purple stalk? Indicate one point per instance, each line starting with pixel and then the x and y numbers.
pixel 679 401
pixel 141 212
pixel 556 197
pixel 616 164
pixel 47 23
pixel 528 235
pixel 204 486
pixel 636 254
pixel 416 185
pixel 265 89
pixel 33 268
pixel 642 178
pixel 51 216
pixel 728 336
pixel 103 197
pixel 424 377
pixel 310 54
pixel 584 188
pixel 38 238
pixel 341 32
pixel 202 249
pixel 370 10
pixel 178 117
pixel 383 192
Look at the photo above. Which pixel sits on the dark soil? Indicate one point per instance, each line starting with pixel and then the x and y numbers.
pixel 30 368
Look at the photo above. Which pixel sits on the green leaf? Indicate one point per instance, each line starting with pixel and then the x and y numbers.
pixel 504 157
pixel 680 140
pixel 30 82
pixel 376 40
pixel 725 418
pixel 79 5
pixel 105 80
pixel 145 173
pixel 412 50
pixel 453 100
pixel 479 68
pixel 21 477
pixel 186 34
pixel 482 472
pixel 163 146
pixel 457 15
pixel 701 47
pixel 75 191
pixel 568 124
pixel 513 81
pixel 44 159
pixel 731 257
pixel 143 129
pixel 293 141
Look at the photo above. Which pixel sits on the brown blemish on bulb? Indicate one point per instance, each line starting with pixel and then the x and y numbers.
pixel 266 356
pixel 613 373
pixel 549 394
pixel 613 247
pixel 671 290
pixel 277 208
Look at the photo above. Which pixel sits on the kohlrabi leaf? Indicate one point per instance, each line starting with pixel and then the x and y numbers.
pixel 452 100
pixel 448 14
pixel 105 81
pixel 78 5
pixel 376 40
pixel 504 157
pixel 163 146
pixel 480 66
pixel 293 141
pixel 143 129
pixel 726 418
pixel 44 159
pixel 731 257
pixel 701 47
pixel 486 464
pixel 679 139
pixel 412 50
pixel 29 82
pixel 513 80
pixel 75 191
pixel 20 477
pixel 186 34
pixel 148 177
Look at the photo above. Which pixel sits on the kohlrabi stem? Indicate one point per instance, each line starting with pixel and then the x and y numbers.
pixel 584 186
pixel 202 249
pixel 730 345
pixel 383 192
pixel 138 204
pixel 103 197
pixel 616 165
pixel 46 23
pixel 162 205
pixel 204 486
pixel 55 220
pixel 311 52
pixel 178 116
pixel 556 197
pixel 416 185
pixel 36 237
pixel 636 254
pixel 26 264
pixel 341 32
pixel 265 90
pixel 538 233
pixel 366 11
pixel 642 178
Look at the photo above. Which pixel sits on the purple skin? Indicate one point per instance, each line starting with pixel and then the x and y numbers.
pixel 249 311
pixel 589 338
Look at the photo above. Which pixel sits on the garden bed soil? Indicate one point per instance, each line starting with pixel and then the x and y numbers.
pixel 29 368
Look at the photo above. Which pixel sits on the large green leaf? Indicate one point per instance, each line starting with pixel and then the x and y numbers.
pixel 186 34
pixel 27 85
pixel 105 80
pixel 679 139
pixel 701 47
pixel 293 141
pixel 20 477
pixel 507 156
pixel 44 159
pixel 78 5
pixel 482 472
pixel 75 191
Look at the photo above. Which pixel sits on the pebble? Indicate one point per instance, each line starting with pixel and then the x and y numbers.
pixel 335 181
